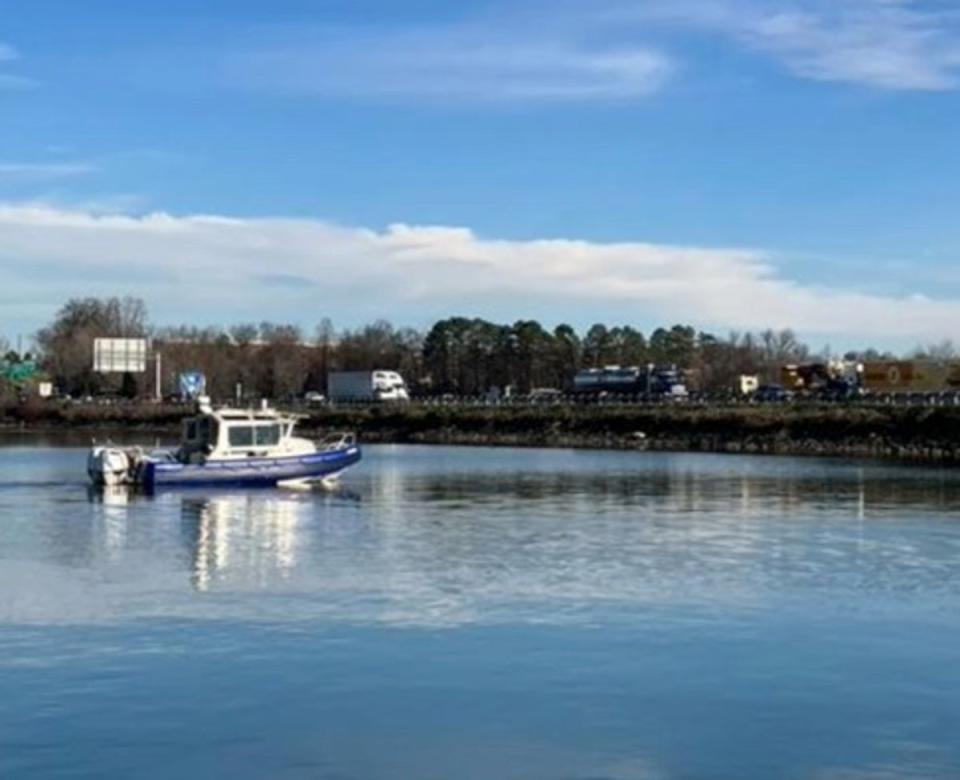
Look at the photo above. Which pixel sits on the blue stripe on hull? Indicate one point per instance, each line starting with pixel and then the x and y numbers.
pixel 250 472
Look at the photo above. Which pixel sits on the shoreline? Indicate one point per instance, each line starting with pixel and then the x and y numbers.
pixel 930 435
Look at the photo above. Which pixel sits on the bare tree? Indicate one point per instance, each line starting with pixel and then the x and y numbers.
pixel 66 345
pixel 939 352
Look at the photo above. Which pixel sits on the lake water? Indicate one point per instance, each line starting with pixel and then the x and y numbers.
pixel 483 613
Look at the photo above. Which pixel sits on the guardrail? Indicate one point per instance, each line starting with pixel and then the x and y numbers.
pixel 947 399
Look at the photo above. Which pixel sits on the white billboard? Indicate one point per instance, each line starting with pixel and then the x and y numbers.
pixel 119 355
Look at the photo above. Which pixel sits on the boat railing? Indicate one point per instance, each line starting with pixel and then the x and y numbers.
pixel 162 456
pixel 337 441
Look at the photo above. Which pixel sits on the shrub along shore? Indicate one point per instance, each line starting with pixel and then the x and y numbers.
pixel 917 433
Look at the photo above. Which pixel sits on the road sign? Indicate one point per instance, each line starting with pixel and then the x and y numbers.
pixel 17 372
pixel 192 384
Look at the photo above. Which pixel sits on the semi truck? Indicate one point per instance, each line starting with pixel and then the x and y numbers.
pixel 648 381
pixel 366 386
pixel 834 380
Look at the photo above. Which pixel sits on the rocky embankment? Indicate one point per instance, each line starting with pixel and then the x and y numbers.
pixel 929 434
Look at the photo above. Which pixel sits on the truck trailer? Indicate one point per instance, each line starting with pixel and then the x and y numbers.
pixel 911 376
pixel 366 386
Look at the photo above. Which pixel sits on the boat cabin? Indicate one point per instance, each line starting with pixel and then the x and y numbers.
pixel 237 433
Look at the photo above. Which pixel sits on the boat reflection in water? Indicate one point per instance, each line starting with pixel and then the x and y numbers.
pixel 250 538
pixel 247 538
pixel 216 523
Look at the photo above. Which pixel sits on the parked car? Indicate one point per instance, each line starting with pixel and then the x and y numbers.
pixel 313 398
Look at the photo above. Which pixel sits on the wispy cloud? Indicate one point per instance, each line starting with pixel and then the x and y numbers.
pixel 12 81
pixel 575 51
pixel 33 171
pixel 469 63
pixel 214 266
pixel 889 44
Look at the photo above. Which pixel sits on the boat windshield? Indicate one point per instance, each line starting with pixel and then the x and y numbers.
pixel 254 435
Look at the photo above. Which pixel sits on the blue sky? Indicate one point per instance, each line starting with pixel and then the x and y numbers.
pixel 732 163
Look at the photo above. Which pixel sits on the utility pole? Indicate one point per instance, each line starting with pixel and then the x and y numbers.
pixel 158 374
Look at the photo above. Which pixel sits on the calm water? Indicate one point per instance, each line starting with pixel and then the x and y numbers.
pixel 474 613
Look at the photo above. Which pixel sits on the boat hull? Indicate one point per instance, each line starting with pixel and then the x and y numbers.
pixel 250 472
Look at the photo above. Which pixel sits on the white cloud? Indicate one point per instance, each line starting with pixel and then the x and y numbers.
pixel 20 171
pixel 472 63
pixel 224 269
pixel 889 44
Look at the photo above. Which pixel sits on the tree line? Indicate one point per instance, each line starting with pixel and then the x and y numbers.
pixel 457 355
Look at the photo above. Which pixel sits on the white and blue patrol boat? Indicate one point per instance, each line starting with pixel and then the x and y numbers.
pixel 236 447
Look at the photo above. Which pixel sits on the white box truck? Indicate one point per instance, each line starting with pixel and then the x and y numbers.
pixel 366 386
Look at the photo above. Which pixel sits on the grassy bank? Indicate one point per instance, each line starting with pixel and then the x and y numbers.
pixel 931 434
pixel 903 432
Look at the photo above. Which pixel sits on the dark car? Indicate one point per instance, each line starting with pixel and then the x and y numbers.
pixel 772 394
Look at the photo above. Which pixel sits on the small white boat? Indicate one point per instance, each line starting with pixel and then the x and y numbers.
pixel 228 447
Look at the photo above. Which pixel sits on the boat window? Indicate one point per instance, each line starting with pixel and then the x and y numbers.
pixel 241 435
pixel 268 435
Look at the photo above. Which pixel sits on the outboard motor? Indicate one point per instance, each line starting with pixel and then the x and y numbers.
pixel 108 466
